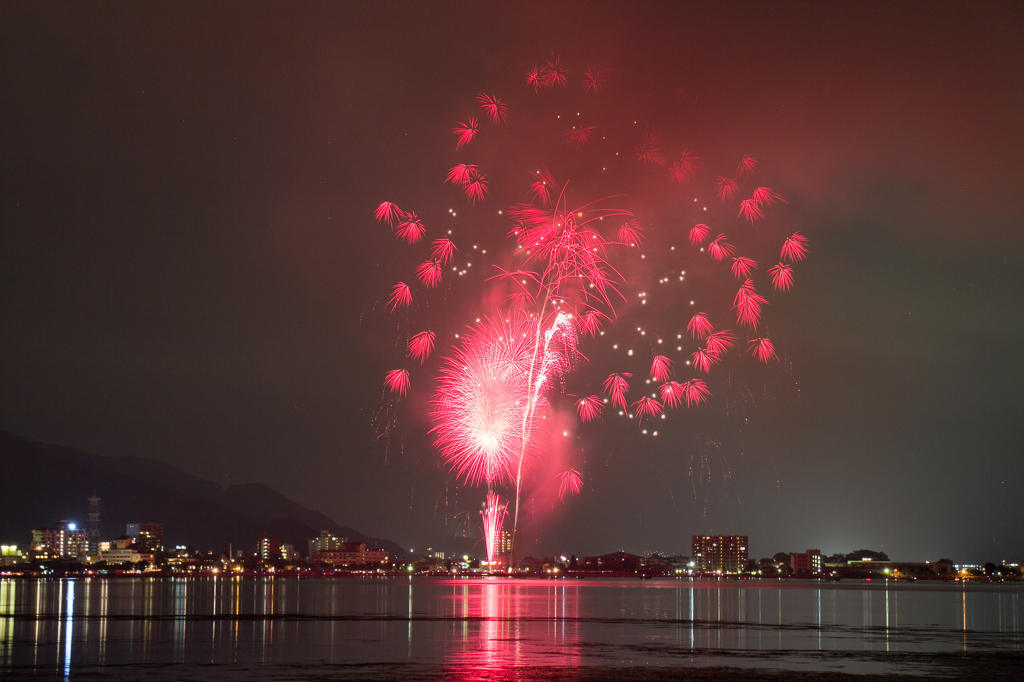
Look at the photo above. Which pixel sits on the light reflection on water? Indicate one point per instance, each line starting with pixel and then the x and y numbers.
pixel 57 627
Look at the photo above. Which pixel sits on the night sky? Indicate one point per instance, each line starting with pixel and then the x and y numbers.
pixel 190 269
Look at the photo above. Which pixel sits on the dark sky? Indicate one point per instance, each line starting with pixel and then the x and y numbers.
pixel 190 270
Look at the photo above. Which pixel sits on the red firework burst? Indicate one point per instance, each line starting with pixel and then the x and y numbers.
pixel 719 342
pixel 429 273
pixel 751 210
pixel 704 358
pixel 719 248
pixel 726 188
pixel 698 233
pixel 762 349
pixel 421 346
pixel 764 195
pixel 594 80
pixel 683 170
pixel 465 132
pixel 699 327
pixel 580 135
pixel 410 228
pixel 661 368
pixel 616 387
pixel 443 251
pixel 782 276
pixel 462 174
pixel 631 233
pixel 493 107
pixel 401 295
pixel 476 188
pixel 795 248
pixel 647 407
pixel 742 267
pixel 542 186
pixel 571 483
pixel 696 392
pixel 748 164
pixel 589 408
pixel 387 212
pixel 397 381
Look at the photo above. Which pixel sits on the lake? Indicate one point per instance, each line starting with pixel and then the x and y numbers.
pixel 479 628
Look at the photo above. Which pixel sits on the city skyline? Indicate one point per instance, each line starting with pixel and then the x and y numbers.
pixel 194 274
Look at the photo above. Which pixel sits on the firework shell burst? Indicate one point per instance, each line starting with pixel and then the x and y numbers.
pixel 589 227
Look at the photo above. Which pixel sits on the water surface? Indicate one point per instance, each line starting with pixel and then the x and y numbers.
pixel 298 628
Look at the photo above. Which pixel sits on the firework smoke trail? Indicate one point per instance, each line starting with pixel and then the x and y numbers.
pixel 555 284
pixel 493 515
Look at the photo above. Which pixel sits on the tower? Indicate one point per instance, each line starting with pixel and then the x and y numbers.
pixel 94 523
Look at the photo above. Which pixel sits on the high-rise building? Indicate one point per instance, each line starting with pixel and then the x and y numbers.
pixel 94 524
pixel 810 561
pixel 326 542
pixel 64 541
pixel 505 548
pixel 148 536
pixel 270 548
pixel 720 553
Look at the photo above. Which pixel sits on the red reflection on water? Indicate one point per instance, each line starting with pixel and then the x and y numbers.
pixel 495 618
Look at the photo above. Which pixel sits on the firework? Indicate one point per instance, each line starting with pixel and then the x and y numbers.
pixel 493 107
pixel 795 248
pixel 493 515
pixel 589 408
pixel 559 281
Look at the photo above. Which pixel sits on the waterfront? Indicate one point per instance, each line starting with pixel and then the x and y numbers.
pixel 303 628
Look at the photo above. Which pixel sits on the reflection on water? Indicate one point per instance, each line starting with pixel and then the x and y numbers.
pixel 57 627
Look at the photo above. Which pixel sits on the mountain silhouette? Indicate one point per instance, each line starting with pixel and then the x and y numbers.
pixel 41 484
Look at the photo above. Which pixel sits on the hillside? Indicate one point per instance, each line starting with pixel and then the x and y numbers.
pixel 42 484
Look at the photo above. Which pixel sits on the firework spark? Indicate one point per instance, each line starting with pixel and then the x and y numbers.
pixel 397 381
pixel 726 188
pixel 616 387
pixel 493 515
pixel 699 327
pixel 589 408
pixel 762 349
pixel 720 248
pixel 571 483
pixel 401 295
pixel 421 346
pixel 795 248
pixel 743 266
pixel 465 132
pixel 699 233
pixel 782 276
pixel 429 273
pixel 493 107
pixel 661 368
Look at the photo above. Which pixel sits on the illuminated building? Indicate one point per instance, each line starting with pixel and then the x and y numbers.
pixel 720 553
pixel 270 548
pixel 505 548
pixel 326 542
pixel 350 554
pixel 148 536
pixel 810 561
pixel 64 541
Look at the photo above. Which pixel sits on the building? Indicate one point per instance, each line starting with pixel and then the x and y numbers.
pixel 148 536
pixel 94 524
pixel 719 553
pixel 505 544
pixel 270 548
pixel 64 541
pixel 350 554
pixel 810 561
pixel 326 542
